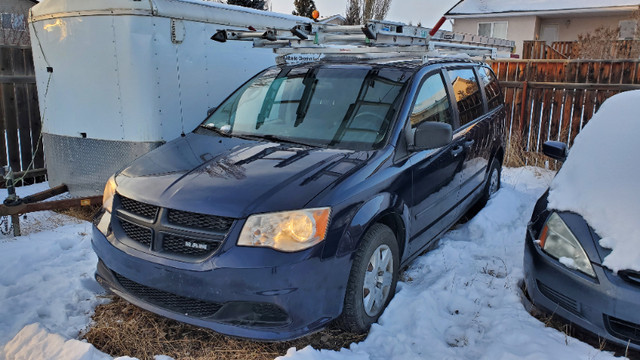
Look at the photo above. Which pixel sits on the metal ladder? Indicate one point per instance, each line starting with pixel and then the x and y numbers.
pixel 376 39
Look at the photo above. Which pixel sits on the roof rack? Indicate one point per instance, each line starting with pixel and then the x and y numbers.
pixel 375 40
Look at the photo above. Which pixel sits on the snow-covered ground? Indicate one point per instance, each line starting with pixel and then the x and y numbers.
pixel 459 301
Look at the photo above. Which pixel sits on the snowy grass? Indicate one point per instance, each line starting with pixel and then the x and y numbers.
pixel 459 301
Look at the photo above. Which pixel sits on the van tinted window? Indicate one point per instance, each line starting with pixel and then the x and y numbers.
pixel 491 87
pixel 467 93
pixel 432 103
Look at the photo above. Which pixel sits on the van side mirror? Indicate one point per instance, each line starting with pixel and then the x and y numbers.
pixel 556 150
pixel 432 135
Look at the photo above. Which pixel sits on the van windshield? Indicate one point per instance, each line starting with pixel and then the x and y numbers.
pixel 337 106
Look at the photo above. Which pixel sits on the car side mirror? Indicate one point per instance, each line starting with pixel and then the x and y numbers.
pixel 432 135
pixel 556 150
pixel 211 110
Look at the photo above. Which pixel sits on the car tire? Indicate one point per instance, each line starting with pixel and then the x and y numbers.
pixel 372 280
pixel 494 181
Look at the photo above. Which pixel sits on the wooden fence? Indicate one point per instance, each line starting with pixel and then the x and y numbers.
pixel 554 99
pixel 21 143
pixel 601 49
pixel 540 50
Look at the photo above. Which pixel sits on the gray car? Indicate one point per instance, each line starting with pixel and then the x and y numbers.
pixel 564 275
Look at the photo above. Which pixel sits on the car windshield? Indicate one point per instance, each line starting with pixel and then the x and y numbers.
pixel 344 107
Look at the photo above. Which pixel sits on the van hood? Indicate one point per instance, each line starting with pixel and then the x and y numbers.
pixel 234 177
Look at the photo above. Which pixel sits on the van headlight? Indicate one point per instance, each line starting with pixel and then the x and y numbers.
pixel 557 240
pixel 286 231
pixel 109 193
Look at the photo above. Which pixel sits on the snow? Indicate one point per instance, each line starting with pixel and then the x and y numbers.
pixel 499 6
pixel 459 301
pixel 568 262
pixel 600 178
pixel 34 342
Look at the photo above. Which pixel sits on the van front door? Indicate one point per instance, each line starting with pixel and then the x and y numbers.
pixel 436 173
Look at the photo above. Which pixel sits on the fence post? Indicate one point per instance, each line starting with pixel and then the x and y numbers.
pixel 523 104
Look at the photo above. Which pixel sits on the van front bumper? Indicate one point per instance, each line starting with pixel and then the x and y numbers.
pixel 226 293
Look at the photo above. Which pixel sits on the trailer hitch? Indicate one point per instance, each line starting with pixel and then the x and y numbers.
pixel 14 206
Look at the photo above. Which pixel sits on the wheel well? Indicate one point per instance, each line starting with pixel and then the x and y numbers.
pixel 395 223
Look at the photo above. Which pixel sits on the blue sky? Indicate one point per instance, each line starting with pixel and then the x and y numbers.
pixel 426 11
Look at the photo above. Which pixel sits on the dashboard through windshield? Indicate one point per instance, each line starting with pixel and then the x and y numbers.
pixel 330 106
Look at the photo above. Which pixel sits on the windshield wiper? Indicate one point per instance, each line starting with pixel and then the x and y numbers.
pixel 276 138
pixel 216 130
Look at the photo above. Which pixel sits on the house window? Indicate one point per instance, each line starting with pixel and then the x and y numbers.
pixel 497 29
pixel 13 21
pixel 628 29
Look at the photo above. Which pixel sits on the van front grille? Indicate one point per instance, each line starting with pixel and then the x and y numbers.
pixel 186 246
pixel 182 235
pixel 199 221
pixel 137 233
pixel 138 208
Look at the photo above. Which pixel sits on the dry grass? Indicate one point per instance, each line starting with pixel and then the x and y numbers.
pixel 121 329
pixel 83 213
pixel 517 155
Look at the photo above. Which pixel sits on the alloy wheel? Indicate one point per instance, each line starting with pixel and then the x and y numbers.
pixel 377 280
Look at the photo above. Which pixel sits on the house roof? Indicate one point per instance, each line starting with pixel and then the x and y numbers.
pixel 483 8
pixel 332 17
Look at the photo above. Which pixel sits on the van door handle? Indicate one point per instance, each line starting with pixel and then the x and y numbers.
pixel 469 143
pixel 457 150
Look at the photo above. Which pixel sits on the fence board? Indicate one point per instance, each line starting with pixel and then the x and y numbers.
pixel 5 61
pixel 24 126
pixel 17 61
pixel 616 73
pixel 36 126
pixel 556 116
pixel 511 71
pixel 30 69
pixel 627 73
pixel 566 115
pixel 10 116
pixel 590 96
pixel 546 115
pixel 3 126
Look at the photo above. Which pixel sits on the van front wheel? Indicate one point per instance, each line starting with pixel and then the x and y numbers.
pixel 373 279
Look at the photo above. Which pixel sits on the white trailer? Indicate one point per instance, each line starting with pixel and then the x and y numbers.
pixel 117 78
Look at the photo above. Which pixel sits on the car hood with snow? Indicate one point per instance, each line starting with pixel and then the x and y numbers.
pixel 234 174
pixel 599 180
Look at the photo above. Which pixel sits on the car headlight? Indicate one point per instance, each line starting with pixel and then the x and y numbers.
pixel 286 231
pixel 109 193
pixel 558 241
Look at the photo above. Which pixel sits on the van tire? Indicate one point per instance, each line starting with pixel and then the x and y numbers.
pixel 357 316
pixel 494 181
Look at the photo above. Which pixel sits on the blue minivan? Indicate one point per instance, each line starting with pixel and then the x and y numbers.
pixel 300 198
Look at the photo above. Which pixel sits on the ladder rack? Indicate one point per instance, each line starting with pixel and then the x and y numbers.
pixel 375 40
